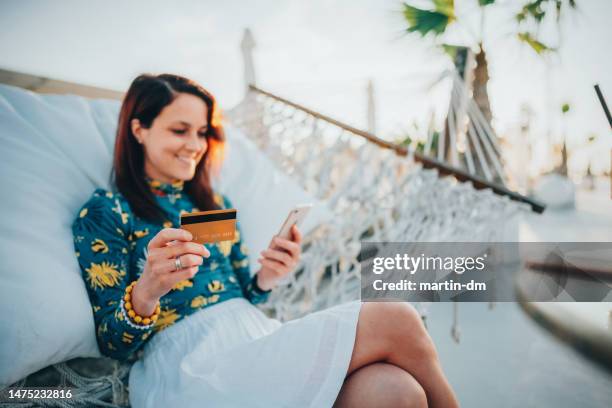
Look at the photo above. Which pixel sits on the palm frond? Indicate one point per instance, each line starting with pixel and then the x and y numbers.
pixel 446 7
pixel 425 21
pixel 451 50
pixel 537 46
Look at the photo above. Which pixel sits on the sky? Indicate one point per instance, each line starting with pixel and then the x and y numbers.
pixel 322 54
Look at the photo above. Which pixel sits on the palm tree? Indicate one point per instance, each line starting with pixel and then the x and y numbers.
pixel 437 19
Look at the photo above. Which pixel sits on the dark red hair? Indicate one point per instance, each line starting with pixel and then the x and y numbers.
pixel 144 100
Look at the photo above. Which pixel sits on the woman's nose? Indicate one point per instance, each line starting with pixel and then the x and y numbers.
pixel 195 142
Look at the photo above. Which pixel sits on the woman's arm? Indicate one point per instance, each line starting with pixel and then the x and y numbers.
pixel 279 259
pixel 102 243
pixel 239 259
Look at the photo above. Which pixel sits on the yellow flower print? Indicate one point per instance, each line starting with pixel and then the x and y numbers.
pixel 225 247
pixel 216 286
pixel 241 264
pixel 218 199
pixel 110 346
pixel 183 284
pixel 244 249
pixel 96 309
pixel 236 237
pixel 213 265
pixel 109 194
pixel 78 254
pixel 120 232
pixel 167 317
pixel 103 275
pixel 141 233
pixel 124 217
pixel 99 246
pixel 127 337
pixel 146 335
pixel 167 224
pixel 213 299
pixel 103 328
pixel 198 301
pixel 83 213
pixel 124 250
pixel 233 279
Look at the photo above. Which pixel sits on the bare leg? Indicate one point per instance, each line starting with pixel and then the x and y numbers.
pixel 381 385
pixel 393 332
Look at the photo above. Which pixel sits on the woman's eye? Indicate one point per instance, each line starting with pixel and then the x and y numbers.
pixel 202 134
pixel 179 131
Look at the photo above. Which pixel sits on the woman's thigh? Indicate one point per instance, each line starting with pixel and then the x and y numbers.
pixel 381 385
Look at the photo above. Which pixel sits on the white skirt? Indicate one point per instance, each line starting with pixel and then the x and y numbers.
pixel 233 355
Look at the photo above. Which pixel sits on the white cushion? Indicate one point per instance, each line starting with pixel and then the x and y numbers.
pixel 56 149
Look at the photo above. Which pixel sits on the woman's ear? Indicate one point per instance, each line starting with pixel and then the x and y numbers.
pixel 137 130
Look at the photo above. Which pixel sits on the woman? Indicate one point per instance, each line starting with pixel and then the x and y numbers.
pixel 184 311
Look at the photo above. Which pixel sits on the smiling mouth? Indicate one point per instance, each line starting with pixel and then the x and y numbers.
pixel 186 160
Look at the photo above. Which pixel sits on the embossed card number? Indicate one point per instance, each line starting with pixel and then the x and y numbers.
pixel 210 226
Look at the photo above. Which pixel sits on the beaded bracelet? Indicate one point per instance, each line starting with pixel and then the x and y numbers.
pixel 130 314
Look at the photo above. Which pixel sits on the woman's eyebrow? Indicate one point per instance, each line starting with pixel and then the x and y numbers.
pixel 182 122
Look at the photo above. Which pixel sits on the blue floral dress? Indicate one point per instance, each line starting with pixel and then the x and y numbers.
pixel 111 247
pixel 210 347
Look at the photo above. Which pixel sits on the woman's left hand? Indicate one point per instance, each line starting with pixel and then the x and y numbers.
pixel 279 260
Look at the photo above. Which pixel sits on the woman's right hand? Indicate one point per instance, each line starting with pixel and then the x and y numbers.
pixel 160 274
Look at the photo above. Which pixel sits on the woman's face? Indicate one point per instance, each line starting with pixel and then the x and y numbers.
pixel 176 141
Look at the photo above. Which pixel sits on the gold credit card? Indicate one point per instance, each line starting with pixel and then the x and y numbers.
pixel 210 226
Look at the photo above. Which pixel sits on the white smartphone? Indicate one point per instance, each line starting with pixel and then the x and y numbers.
pixel 295 217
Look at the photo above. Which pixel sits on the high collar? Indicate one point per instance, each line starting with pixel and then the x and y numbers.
pixel 160 188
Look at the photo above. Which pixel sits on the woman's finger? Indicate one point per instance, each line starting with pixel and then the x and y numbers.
pixel 168 234
pixel 185 248
pixel 297 235
pixel 181 275
pixel 280 256
pixel 290 246
pixel 173 242
pixel 278 268
pixel 187 261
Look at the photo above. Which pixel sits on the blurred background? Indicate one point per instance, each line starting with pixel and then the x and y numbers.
pixel 324 53
pixel 391 68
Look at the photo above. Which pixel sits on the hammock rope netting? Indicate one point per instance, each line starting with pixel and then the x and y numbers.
pixel 375 194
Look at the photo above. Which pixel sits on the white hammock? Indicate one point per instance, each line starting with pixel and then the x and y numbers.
pixel 467 140
pixel 376 193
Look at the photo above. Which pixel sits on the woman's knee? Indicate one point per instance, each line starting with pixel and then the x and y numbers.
pixel 388 331
pixel 406 392
pixel 405 329
pixel 382 385
pixel 413 394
